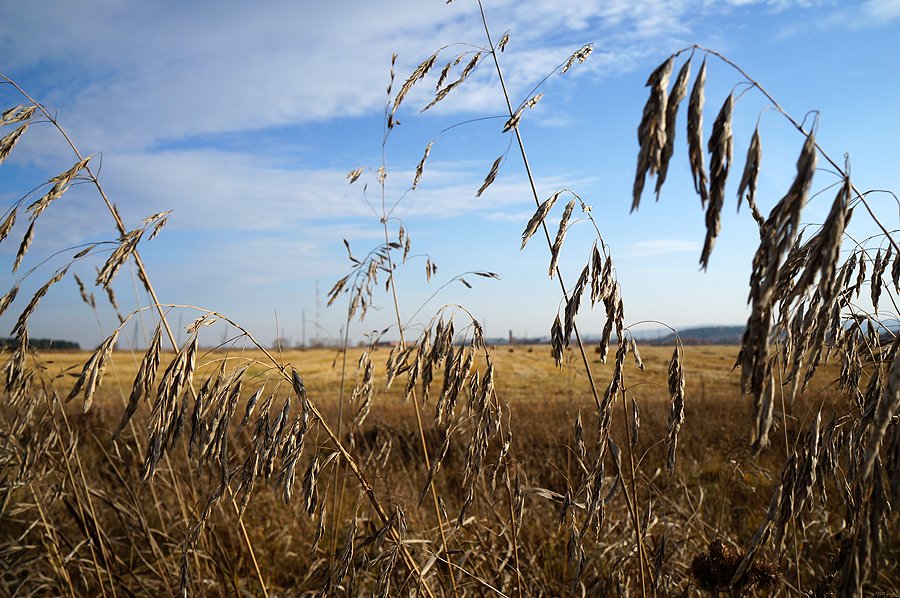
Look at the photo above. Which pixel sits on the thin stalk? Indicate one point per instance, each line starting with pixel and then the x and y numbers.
pixel 787 452
pixel 512 521
pixel 54 543
pixel 641 553
pixel 415 402
pixel 367 489
pixel 338 496
pixel 385 215
pixel 237 514
pixel 78 504
pixel 584 357
pixel 139 511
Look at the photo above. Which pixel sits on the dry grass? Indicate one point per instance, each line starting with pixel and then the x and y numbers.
pixel 718 493
pixel 443 467
pixel 525 373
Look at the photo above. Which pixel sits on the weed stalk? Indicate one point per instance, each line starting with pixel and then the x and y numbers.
pixel 631 504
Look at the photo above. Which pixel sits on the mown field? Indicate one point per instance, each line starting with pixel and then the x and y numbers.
pixel 85 522
pixel 524 373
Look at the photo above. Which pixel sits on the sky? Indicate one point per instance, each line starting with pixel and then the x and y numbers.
pixel 245 120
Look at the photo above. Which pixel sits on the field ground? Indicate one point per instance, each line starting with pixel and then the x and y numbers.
pixel 719 490
pixel 524 373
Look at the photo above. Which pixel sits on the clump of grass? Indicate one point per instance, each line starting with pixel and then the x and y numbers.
pixel 714 569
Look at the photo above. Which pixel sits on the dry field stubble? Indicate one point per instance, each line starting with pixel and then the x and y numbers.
pixel 718 493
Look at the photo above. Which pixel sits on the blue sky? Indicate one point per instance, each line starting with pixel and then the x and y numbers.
pixel 244 122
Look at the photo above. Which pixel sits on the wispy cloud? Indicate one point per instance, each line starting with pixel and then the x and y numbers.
pixel 152 72
pixel 227 191
pixel 863 15
pixel 883 10
pixel 656 247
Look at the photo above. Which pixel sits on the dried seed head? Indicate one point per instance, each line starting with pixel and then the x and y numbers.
pixel 887 407
pixel 111 296
pixel 144 380
pixel 676 415
pixel 354 175
pixel 513 121
pixel 581 55
pixel 421 167
pixel 127 244
pixel 8 223
pixel 823 250
pixel 574 303
pixel 875 283
pixel 751 171
pixel 636 422
pixel 418 74
pixel 491 175
pixel 61 183
pixel 88 299
pixel 441 94
pixel 19 330
pixel 679 90
pixel 501 45
pixel 92 373
pixel 538 218
pixel 8 298
pixel 8 142
pixel 580 447
pixel 695 134
pixel 23 246
pixel 557 342
pixel 560 237
pixel 895 272
pixel 652 130
pixel 596 271
pixel 157 227
pixel 443 76
pixel 861 275
pixel 720 148
pixel 17 114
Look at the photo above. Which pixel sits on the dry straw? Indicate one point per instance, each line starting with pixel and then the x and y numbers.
pixel 255 424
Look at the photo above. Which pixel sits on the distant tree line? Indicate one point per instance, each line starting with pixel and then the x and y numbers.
pixel 42 344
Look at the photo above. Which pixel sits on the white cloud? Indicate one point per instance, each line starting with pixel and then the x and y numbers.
pixel 166 70
pixel 654 247
pixel 864 15
pixel 225 191
pixel 133 74
pixel 883 9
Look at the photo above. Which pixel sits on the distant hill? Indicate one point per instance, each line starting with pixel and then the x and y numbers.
pixel 42 344
pixel 706 335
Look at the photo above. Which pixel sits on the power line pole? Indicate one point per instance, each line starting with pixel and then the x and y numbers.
pixel 318 312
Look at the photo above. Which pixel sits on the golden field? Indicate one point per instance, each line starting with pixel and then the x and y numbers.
pixel 524 373
pixel 719 491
